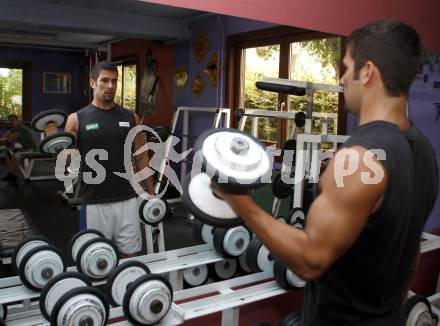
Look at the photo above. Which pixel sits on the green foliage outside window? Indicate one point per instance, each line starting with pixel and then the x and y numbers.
pixel 11 81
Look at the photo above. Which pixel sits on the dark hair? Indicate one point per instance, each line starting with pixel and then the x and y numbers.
pixel 102 65
pixel 393 47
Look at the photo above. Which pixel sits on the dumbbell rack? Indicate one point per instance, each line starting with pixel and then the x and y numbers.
pixel 219 113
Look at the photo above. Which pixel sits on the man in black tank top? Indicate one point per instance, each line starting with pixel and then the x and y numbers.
pixel 101 131
pixel 363 230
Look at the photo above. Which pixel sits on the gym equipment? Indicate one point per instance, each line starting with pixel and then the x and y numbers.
pixel 93 255
pixel 231 242
pixel 258 256
pixel 297 218
pixel 147 299
pixel 223 270
pixel 36 261
pixel 3 312
pixel 281 189
pixel 195 276
pixel 70 300
pixel 239 157
pixel 293 319
pixel 286 278
pixel 154 211
pixel 202 233
pixel 242 262
pixel 48 122
pixel 418 312
pixel 204 205
pixel 121 277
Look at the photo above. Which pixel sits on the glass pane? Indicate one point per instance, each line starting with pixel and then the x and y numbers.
pixel 316 61
pixel 260 62
pixel 11 92
pixel 118 96
pixel 130 87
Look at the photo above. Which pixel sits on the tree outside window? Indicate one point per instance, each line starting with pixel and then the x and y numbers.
pixel 11 92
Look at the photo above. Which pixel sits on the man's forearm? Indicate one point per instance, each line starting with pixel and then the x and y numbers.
pixel 142 162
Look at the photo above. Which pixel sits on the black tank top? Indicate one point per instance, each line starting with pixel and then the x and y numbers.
pixel 108 130
pixel 365 286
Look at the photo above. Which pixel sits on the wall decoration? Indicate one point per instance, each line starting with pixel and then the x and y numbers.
pixel 200 46
pixel 198 84
pixel 180 77
pixel 149 83
pixel 57 83
pixel 212 69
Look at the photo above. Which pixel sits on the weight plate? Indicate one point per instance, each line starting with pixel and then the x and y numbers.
pixel 225 269
pixel 97 258
pixel 418 312
pixel 79 239
pixel 293 319
pixel 296 215
pixel 204 205
pixel 40 121
pixel 80 306
pixel 55 143
pixel 147 300
pixel 217 240
pixel 57 287
pixel 242 262
pixel 286 278
pixel 39 265
pixel 24 246
pixel 233 241
pixel 195 276
pixel 3 312
pixel 258 256
pixel 281 189
pixel 197 231
pixel 234 154
pixel 153 211
pixel 121 277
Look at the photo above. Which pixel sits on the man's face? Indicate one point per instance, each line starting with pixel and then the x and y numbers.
pixel 352 85
pixel 104 88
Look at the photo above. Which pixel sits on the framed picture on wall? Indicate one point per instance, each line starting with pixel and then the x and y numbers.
pixel 57 83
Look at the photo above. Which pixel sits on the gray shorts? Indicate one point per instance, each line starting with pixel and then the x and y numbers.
pixel 119 222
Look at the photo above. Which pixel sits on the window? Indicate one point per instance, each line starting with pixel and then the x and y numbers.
pixel 126 93
pixel 11 92
pixel 282 52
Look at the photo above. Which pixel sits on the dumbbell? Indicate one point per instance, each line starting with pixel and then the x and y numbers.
pixel 292 319
pixel 153 211
pixel 3 312
pixel 147 299
pixel 69 299
pixel 242 262
pixel 231 242
pixel 286 278
pixel 281 189
pixel 121 277
pixel 202 232
pixel 48 122
pixel 258 257
pixel 36 261
pixel 224 269
pixel 195 276
pixel 231 154
pixel 94 255
pixel 296 217
pixel 418 312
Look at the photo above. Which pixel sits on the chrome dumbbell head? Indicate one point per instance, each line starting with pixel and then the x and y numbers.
pixel 153 211
pixel 55 143
pixel 418 312
pixel 57 287
pixel 121 277
pixel 225 269
pixel 242 262
pixel 41 120
pixel 297 218
pixel 202 232
pixel 147 299
pixel 24 246
pixel 231 242
pixel 195 276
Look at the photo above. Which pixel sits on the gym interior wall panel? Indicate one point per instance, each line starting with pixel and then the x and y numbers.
pixel 164 55
pixel 43 60
pixel 330 16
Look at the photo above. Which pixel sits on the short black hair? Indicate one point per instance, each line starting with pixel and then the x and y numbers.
pixel 102 65
pixel 394 47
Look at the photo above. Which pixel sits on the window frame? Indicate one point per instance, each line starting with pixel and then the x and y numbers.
pixel 127 61
pixel 26 113
pixel 282 35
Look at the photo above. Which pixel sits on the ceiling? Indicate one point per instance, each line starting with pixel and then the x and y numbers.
pixel 89 24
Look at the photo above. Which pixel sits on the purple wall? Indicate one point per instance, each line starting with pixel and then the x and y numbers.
pixel 51 61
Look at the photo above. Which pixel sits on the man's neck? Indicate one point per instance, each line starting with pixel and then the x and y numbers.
pixel 390 109
pixel 103 105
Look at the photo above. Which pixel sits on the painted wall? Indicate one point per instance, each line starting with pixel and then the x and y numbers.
pixel 49 61
pixel 164 55
pixel 331 16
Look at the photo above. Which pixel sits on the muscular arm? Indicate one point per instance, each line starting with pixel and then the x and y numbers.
pixel 334 221
pixel 142 160
pixel 72 127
